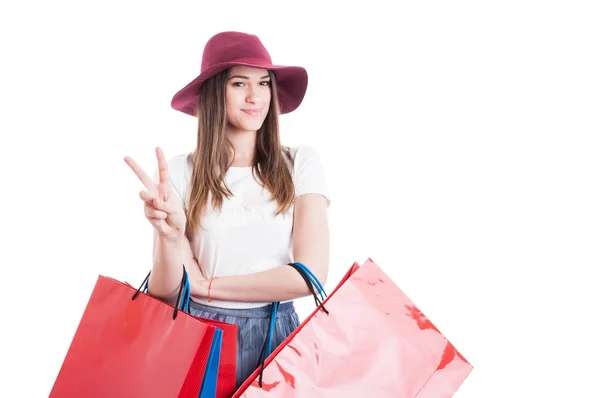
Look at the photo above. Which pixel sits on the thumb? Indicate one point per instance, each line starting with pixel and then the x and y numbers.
pixel 148 197
pixel 167 207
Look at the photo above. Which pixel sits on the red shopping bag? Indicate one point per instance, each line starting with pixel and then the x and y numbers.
pixel 227 366
pixel 373 341
pixel 133 345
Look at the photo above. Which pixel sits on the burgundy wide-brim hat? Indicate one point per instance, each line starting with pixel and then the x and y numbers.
pixel 227 49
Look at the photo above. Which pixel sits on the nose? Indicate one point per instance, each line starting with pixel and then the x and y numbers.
pixel 251 95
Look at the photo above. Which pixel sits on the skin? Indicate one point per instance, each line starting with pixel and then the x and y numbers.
pixel 247 89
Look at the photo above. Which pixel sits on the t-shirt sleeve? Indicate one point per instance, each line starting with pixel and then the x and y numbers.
pixel 176 176
pixel 309 173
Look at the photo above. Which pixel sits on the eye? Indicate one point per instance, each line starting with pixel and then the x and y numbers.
pixel 237 84
pixel 265 83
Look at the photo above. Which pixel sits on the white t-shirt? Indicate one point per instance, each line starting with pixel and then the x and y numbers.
pixel 246 237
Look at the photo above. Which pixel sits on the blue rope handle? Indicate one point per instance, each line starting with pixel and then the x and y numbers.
pixel 310 279
pixel 185 299
pixel 313 279
pixel 272 327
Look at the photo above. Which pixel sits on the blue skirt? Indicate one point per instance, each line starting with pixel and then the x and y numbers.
pixel 253 325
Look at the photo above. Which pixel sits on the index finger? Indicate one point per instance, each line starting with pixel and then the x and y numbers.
pixel 163 168
pixel 144 178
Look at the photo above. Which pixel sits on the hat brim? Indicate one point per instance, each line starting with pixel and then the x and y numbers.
pixel 292 82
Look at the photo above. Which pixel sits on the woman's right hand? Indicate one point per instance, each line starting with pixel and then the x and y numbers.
pixel 161 206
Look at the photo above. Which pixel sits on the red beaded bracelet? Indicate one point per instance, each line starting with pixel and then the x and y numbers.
pixel 209 285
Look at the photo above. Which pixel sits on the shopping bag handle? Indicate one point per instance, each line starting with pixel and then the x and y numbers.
pixel 266 348
pixel 312 277
pixel 182 296
pixel 311 281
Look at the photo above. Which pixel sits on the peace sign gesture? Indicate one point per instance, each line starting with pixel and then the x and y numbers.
pixel 160 204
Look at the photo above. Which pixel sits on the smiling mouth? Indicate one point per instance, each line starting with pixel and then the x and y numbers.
pixel 252 112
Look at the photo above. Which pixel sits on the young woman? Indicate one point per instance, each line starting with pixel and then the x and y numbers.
pixel 242 206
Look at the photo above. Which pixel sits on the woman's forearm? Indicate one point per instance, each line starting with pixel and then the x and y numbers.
pixel 170 256
pixel 167 269
pixel 277 284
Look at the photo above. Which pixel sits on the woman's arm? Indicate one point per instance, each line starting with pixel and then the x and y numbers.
pixel 170 255
pixel 310 243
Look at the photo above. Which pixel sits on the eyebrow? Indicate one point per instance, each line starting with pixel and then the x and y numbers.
pixel 245 77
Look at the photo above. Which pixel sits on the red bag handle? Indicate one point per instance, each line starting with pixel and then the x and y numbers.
pixel 183 283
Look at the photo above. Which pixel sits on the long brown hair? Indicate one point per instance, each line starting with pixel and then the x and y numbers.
pixel 211 158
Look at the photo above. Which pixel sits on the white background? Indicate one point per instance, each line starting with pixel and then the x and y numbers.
pixel 460 140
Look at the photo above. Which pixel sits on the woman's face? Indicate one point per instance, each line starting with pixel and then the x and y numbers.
pixel 247 97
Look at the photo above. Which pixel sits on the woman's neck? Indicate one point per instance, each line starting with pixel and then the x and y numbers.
pixel 244 145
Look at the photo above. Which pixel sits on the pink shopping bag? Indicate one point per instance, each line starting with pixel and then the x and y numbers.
pixel 373 341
